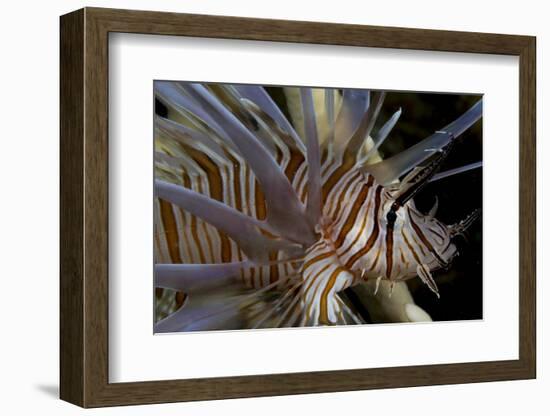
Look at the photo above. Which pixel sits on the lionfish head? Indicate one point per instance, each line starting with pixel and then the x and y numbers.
pixel 427 240
pixel 423 242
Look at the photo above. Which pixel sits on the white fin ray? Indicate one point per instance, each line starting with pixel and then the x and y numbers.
pixel 261 98
pixel 352 110
pixel 391 169
pixel 455 171
pixel 281 199
pixel 192 278
pixel 313 208
pixel 426 277
pixel 244 230
pixel 366 125
pixel 201 313
pixel 383 134
pixel 174 97
pixel 189 137
pixel 331 119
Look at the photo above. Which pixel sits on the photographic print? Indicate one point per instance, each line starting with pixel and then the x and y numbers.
pixel 295 206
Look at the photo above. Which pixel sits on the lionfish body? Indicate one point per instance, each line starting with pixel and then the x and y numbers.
pixel 257 226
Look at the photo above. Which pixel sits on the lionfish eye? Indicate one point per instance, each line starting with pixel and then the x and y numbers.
pixel 391 216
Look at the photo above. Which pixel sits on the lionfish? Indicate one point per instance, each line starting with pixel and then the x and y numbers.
pixel 259 226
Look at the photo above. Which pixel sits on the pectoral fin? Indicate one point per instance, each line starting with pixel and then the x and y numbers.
pixel 425 275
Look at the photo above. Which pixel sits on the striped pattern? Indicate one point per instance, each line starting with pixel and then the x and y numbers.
pixel 354 240
pixel 324 276
pixel 183 238
pixel 363 240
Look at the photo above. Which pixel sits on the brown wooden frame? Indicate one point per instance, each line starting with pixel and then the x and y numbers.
pixel 84 207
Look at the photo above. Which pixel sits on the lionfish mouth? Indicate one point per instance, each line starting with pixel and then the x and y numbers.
pixel 262 221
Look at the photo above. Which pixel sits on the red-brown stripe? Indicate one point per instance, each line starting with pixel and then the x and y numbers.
pixel 342 193
pixel 324 296
pixel 352 216
pixel 374 234
pixel 411 248
pixel 171 230
pixel 424 240
pixel 259 200
pixel 274 268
